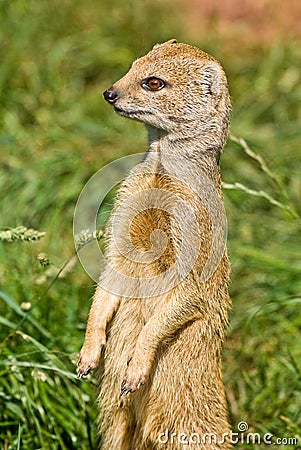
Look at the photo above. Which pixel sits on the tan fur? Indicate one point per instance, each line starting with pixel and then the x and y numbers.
pixel 164 348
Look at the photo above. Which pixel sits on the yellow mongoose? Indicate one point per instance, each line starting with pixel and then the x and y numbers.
pixel 161 305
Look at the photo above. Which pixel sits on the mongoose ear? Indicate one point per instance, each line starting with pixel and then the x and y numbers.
pixel 171 41
pixel 212 76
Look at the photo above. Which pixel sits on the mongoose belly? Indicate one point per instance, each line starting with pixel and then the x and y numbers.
pixel 185 395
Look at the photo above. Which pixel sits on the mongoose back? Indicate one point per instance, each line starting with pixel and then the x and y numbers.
pixel 160 310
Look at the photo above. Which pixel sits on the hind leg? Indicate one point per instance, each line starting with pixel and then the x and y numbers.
pixel 118 431
pixel 123 433
pixel 117 417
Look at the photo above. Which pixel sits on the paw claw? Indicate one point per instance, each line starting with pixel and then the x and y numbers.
pixel 131 383
pixel 82 372
pixel 124 391
pixel 88 360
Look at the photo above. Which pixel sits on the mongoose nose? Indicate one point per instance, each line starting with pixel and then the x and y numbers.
pixel 110 95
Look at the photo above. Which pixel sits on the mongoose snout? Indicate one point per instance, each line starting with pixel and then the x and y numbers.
pixel 160 311
pixel 110 95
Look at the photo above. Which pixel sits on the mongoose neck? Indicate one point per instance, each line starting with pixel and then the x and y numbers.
pixel 205 153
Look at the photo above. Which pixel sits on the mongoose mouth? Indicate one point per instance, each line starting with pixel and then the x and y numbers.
pixel 130 113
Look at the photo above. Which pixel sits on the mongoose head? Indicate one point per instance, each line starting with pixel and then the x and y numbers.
pixel 176 88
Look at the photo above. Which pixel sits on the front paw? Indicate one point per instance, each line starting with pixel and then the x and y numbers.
pixel 88 359
pixel 136 375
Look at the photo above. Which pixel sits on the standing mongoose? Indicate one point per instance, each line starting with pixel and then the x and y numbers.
pixel 160 310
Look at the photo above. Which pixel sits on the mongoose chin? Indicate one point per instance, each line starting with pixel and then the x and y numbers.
pixel 160 311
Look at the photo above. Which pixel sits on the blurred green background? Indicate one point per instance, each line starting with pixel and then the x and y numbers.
pixel 57 57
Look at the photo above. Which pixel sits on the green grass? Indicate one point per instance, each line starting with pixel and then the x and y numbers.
pixel 56 132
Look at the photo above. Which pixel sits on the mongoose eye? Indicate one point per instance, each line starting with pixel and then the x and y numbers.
pixel 152 84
